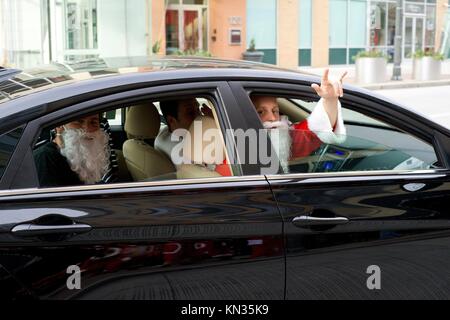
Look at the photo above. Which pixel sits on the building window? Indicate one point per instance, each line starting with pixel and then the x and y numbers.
pixel 347 29
pixel 186 26
pixel 418 26
pixel 172 42
pixel 262 26
pixel 305 32
pixel 382 26
pixel 430 27
pixel 81 24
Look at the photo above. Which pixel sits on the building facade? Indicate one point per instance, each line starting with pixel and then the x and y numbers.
pixel 291 33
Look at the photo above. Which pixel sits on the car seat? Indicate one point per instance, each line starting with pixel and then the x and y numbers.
pixel 143 161
pixel 201 155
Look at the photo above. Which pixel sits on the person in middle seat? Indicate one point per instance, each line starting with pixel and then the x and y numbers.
pixel 179 114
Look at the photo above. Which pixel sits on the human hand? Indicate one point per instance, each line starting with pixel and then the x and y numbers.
pixel 329 90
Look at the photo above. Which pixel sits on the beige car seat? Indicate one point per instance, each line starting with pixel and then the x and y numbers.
pixel 201 152
pixel 143 161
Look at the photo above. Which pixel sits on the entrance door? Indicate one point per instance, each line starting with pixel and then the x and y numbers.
pixel 413 35
pixel 186 29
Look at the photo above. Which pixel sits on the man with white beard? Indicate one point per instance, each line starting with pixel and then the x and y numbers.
pixel 324 125
pixel 79 154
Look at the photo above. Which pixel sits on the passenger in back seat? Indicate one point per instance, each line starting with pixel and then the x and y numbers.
pixel 179 114
pixel 79 154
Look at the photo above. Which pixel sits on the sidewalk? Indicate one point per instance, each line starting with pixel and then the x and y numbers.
pixel 406 82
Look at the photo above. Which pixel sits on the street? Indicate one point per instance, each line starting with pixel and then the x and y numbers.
pixel 432 101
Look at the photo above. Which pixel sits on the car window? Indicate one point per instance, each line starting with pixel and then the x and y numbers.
pixel 8 142
pixel 164 140
pixel 114 117
pixel 349 153
pixel 348 115
pixel 365 144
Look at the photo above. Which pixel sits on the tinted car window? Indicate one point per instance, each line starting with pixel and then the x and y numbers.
pixel 356 154
pixel 365 144
pixel 68 155
pixel 8 142
pixel 377 145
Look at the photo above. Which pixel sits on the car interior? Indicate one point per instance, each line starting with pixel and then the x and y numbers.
pixel 370 144
pixel 133 130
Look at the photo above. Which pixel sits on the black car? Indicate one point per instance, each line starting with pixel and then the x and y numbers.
pixel 363 218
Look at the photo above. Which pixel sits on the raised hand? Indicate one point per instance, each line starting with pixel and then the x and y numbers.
pixel 329 90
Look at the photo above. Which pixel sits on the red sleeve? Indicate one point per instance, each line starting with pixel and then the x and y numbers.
pixel 224 169
pixel 304 141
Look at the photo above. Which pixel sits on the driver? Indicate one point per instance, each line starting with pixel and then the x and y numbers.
pixel 324 125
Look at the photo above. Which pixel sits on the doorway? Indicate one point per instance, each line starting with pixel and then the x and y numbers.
pixel 186 29
pixel 414 35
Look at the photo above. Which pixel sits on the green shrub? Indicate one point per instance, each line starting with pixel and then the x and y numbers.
pixel 156 46
pixel 252 45
pixel 369 54
pixel 420 54
pixel 196 53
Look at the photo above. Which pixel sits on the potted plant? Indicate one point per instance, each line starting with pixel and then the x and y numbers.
pixel 427 65
pixel 370 66
pixel 251 54
pixel 156 47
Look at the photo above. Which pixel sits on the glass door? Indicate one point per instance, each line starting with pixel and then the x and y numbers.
pixel 80 19
pixel 172 32
pixel 413 35
pixel 191 30
pixel 408 37
pixel 186 28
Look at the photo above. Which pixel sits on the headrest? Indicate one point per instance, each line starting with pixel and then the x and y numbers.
pixel 143 121
pixel 203 143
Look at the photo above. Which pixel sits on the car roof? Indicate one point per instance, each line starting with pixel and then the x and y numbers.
pixel 62 74
pixel 57 81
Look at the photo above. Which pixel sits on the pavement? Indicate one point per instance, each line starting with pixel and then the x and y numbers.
pixel 406 74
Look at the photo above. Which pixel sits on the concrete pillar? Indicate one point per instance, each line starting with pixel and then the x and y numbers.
pixel 441 10
pixel 287 33
pixel 158 12
pixel 320 45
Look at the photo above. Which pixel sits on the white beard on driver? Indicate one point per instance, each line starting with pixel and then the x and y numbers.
pixel 87 153
pixel 281 140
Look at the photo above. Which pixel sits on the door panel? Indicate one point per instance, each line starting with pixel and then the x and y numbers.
pixel 218 240
pixel 397 223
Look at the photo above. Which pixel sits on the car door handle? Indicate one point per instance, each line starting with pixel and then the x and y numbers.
pixel 308 221
pixel 29 229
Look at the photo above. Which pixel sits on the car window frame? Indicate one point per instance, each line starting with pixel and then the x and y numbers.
pixel 367 105
pixel 218 90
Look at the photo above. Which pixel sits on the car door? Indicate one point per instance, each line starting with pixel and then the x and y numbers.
pixel 375 226
pixel 212 238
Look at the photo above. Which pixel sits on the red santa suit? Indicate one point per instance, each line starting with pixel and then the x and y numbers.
pixel 310 133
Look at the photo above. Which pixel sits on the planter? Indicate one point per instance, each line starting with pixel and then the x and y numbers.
pixel 426 68
pixel 370 70
pixel 253 56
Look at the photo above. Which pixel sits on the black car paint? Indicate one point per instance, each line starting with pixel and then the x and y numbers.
pixel 405 233
pixel 165 240
pixel 240 222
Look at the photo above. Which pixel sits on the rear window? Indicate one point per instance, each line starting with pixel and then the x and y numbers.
pixel 8 142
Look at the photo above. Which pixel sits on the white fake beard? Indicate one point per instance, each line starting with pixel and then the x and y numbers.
pixel 87 153
pixel 281 140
